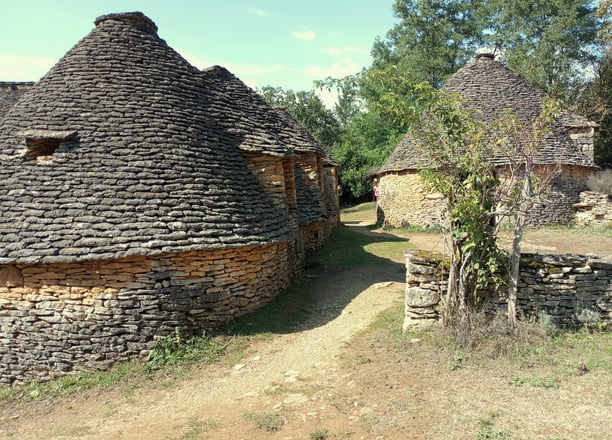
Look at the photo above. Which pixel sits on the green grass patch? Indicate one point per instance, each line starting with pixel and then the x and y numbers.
pixel 174 351
pixel 534 381
pixel 359 213
pixel 604 230
pixel 269 422
pixel 129 375
pixel 347 249
pixel 487 429
pixel 320 434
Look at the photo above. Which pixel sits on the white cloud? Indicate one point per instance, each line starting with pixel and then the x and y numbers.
pixel 332 51
pixel 202 62
pixel 17 68
pixel 256 69
pixel 345 51
pixel 304 35
pixel 257 12
pixel 338 69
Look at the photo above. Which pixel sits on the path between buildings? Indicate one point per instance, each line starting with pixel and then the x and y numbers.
pixel 295 379
pixel 289 386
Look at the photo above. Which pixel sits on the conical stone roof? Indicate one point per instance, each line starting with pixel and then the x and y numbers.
pixel 244 113
pixel 10 92
pixel 491 87
pixel 136 165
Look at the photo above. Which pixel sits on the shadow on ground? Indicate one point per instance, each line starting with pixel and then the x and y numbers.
pixel 350 263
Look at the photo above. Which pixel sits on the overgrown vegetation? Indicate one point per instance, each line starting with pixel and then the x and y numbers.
pixel 269 422
pixel 601 182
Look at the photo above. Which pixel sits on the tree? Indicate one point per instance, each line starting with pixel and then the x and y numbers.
pixel 551 43
pixel 308 109
pixel 433 38
pixel 367 138
pixel 519 142
pixel 454 138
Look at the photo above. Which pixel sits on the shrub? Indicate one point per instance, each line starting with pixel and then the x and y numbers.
pixel 601 182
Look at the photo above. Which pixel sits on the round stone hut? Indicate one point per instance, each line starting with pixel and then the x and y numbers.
pixel 137 198
pixel 491 87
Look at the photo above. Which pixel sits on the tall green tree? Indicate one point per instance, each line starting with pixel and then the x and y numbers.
pixel 552 43
pixel 432 39
pixel 308 109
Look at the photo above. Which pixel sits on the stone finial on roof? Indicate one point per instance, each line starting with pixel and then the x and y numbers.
pixel 486 55
pixel 137 19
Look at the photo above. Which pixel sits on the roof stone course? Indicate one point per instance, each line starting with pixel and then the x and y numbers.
pixel 153 166
pixel 491 87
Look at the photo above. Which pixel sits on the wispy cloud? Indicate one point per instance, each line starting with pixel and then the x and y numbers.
pixel 257 12
pixel 345 51
pixel 204 61
pixel 338 69
pixel 17 68
pixel 304 35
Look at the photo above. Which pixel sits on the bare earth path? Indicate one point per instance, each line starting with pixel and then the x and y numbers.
pixel 324 378
pixel 292 377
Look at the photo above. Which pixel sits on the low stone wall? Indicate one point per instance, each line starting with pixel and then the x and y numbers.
pixel 594 208
pixel 88 316
pixel 562 286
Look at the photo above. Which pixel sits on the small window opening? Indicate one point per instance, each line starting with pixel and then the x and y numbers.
pixel 42 144
pixel 42 149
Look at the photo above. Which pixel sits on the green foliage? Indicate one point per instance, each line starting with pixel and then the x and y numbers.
pixel 320 434
pixel 176 351
pixel 550 43
pixel 432 39
pixel 307 108
pixel 269 422
pixel 366 144
pixel 595 102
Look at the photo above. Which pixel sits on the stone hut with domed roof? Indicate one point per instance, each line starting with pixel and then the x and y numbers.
pixel 139 196
pixel 491 87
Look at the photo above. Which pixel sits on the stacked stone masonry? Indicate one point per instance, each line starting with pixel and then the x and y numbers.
pixel 565 287
pixel 88 316
pixel 140 196
pixel 594 208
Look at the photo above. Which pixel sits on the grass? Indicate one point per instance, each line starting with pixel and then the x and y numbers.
pixel 269 422
pixel 320 434
pixel 196 428
pixel 175 354
pixel 128 375
pixel 487 430
pixel 603 230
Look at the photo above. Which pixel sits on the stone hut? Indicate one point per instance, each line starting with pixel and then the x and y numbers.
pixel 137 198
pixel 10 92
pixel 316 181
pixel 491 87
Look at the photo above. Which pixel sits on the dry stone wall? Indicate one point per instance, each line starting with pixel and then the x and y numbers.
pixel 554 205
pixel 87 316
pixel 404 201
pixel 572 289
pixel 594 208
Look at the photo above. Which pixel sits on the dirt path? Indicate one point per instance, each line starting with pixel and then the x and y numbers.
pixel 292 379
pixel 294 385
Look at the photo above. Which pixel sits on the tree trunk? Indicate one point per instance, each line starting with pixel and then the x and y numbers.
pixel 515 259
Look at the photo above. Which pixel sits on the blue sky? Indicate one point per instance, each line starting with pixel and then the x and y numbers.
pixel 264 42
